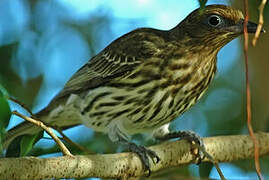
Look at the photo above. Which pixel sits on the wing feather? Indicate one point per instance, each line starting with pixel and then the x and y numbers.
pixel 120 57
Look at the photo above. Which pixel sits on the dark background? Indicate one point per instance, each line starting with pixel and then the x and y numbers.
pixel 43 42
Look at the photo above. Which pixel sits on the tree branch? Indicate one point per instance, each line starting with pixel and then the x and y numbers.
pixel 125 165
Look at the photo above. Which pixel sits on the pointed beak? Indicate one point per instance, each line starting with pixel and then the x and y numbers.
pixel 239 27
pixel 252 27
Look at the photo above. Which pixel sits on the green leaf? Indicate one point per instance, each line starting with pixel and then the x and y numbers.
pixel 28 141
pixel 13 149
pixel 5 114
pixel 205 169
pixel 202 3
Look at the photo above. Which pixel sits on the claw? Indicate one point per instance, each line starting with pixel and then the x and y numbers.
pixel 143 154
pixel 153 156
pixel 191 137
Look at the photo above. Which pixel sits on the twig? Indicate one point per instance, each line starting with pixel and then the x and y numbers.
pixel 207 155
pixel 64 150
pixel 250 129
pixel 259 28
pixel 69 141
pixel 21 104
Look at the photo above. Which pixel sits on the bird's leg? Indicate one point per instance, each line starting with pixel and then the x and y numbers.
pixel 164 134
pixel 143 153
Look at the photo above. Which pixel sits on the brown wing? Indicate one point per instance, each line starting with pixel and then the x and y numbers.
pixel 120 57
pixel 100 69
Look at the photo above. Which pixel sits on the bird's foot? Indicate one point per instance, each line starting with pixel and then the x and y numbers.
pixel 144 154
pixel 193 138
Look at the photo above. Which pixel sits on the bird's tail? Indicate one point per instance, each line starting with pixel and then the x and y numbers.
pixel 24 128
pixel 52 115
pixel 63 121
pixel 19 130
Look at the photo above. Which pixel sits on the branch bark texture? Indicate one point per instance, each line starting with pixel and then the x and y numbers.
pixel 126 165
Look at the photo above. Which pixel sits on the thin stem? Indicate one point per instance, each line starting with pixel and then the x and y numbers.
pixel 261 21
pixel 63 148
pixel 69 141
pixel 21 104
pixel 248 94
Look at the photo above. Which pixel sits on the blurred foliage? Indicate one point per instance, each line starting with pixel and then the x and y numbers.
pixel 205 169
pixel 25 91
pixel 223 107
pixel 5 114
pixel 202 3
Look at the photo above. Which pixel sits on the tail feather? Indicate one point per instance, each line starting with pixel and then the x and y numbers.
pixel 22 129
pixel 52 115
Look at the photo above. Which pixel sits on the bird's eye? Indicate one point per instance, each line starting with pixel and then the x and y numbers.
pixel 214 20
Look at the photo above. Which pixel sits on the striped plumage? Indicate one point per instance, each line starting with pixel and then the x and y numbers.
pixel 143 80
pixel 153 94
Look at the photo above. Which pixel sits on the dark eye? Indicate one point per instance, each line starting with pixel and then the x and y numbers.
pixel 214 20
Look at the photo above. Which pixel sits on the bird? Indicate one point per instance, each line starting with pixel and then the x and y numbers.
pixel 143 80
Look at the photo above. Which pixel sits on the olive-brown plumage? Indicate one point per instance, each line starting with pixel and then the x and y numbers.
pixel 145 79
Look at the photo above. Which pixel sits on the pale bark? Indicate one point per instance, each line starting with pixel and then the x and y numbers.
pixel 125 165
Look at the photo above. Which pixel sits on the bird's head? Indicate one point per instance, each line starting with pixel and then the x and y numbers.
pixel 212 26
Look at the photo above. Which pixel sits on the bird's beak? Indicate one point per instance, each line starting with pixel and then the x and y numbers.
pixel 239 27
pixel 252 27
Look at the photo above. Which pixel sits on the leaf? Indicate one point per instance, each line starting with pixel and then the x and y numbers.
pixel 202 3
pixel 28 141
pixel 31 90
pixel 24 91
pixel 5 114
pixel 205 169
pixel 22 145
pixel 13 149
